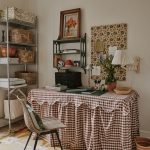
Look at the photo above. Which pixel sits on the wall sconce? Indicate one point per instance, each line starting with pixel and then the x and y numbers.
pixel 89 68
pixel 121 58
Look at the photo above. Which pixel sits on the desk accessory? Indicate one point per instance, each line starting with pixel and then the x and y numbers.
pixel 122 90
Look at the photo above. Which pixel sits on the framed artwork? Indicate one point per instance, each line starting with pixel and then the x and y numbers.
pixel 70 22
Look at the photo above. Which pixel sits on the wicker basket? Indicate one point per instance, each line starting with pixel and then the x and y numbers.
pixel 26 56
pixel 19 15
pixel 29 77
pixel 21 36
pixel 142 143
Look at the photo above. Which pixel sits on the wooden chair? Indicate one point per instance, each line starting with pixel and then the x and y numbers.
pixel 50 124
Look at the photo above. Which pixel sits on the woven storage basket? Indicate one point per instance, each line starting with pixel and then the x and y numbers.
pixel 21 36
pixel 26 56
pixel 142 143
pixel 19 15
pixel 29 77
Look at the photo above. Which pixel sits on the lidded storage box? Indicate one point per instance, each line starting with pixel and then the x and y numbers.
pixel 19 14
pixel 18 35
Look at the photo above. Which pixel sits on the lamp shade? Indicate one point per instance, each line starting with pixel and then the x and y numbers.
pixel 121 58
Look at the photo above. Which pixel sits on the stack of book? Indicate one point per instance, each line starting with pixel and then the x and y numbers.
pixel 70 51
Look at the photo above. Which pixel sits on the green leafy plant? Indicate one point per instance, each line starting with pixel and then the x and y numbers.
pixel 109 68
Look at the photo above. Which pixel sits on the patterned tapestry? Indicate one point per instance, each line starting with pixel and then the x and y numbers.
pixel 102 37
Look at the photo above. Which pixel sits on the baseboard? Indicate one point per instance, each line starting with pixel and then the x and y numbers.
pixel 145 133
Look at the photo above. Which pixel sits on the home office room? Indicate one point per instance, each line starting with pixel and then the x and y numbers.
pixel 74 75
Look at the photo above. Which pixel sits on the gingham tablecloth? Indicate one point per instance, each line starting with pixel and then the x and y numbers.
pixel 106 122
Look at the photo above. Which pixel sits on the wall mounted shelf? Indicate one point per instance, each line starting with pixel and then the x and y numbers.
pixel 59 53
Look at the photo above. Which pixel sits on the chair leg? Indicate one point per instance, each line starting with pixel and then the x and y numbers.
pixel 53 140
pixel 36 140
pixel 28 140
pixel 58 139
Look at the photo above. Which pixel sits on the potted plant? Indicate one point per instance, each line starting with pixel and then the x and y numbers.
pixel 109 68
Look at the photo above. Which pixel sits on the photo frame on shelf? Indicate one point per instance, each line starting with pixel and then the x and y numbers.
pixel 70 24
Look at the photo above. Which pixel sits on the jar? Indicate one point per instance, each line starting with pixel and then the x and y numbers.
pixel 12 51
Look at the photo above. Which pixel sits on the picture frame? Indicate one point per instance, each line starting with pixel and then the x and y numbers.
pixel 70 24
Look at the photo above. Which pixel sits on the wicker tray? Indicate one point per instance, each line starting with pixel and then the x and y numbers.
pixel 122 90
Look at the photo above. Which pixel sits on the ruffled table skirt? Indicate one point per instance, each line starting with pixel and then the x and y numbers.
pixel 106 122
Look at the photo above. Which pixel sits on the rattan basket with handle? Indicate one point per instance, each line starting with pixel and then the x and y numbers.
pixel 142 143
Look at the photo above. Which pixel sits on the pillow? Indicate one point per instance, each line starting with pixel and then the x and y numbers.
pixel 35 117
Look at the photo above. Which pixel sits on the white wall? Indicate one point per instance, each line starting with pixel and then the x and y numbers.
pixel 135 13
pixel 17 3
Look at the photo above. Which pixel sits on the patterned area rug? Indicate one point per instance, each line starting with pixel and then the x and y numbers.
pixel 15 127
pixel 17 142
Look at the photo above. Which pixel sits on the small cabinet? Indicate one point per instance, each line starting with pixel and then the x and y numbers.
pixel 69 53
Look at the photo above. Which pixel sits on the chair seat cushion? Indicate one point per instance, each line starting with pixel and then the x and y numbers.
pixel 52 123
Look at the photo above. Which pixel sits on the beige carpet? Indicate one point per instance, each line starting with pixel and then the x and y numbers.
pixel 17 142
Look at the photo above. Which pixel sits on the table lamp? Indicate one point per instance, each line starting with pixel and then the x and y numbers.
pixel 121 58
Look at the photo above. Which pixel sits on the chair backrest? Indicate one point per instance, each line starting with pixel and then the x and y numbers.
pixel 27 116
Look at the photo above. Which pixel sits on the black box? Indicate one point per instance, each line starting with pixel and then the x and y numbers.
pixel 71 79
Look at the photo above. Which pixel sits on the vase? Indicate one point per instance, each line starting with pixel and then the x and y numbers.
pixel 111 86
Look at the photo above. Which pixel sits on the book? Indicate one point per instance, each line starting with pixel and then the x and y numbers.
pixel 70 51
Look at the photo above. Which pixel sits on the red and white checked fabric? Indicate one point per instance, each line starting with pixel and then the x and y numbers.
pixel 106 122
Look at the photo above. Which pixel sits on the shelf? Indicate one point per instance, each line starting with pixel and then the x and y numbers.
pixel 67 40
pixel 1 63
pixel 71 67
pixel 17 23
pixel 18 44
pixel 65 53
pixel 12 61
pixel 70 40
pixel 59 51
pixel 5 122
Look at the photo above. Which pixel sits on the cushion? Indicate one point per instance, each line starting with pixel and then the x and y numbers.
pixel 35 118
